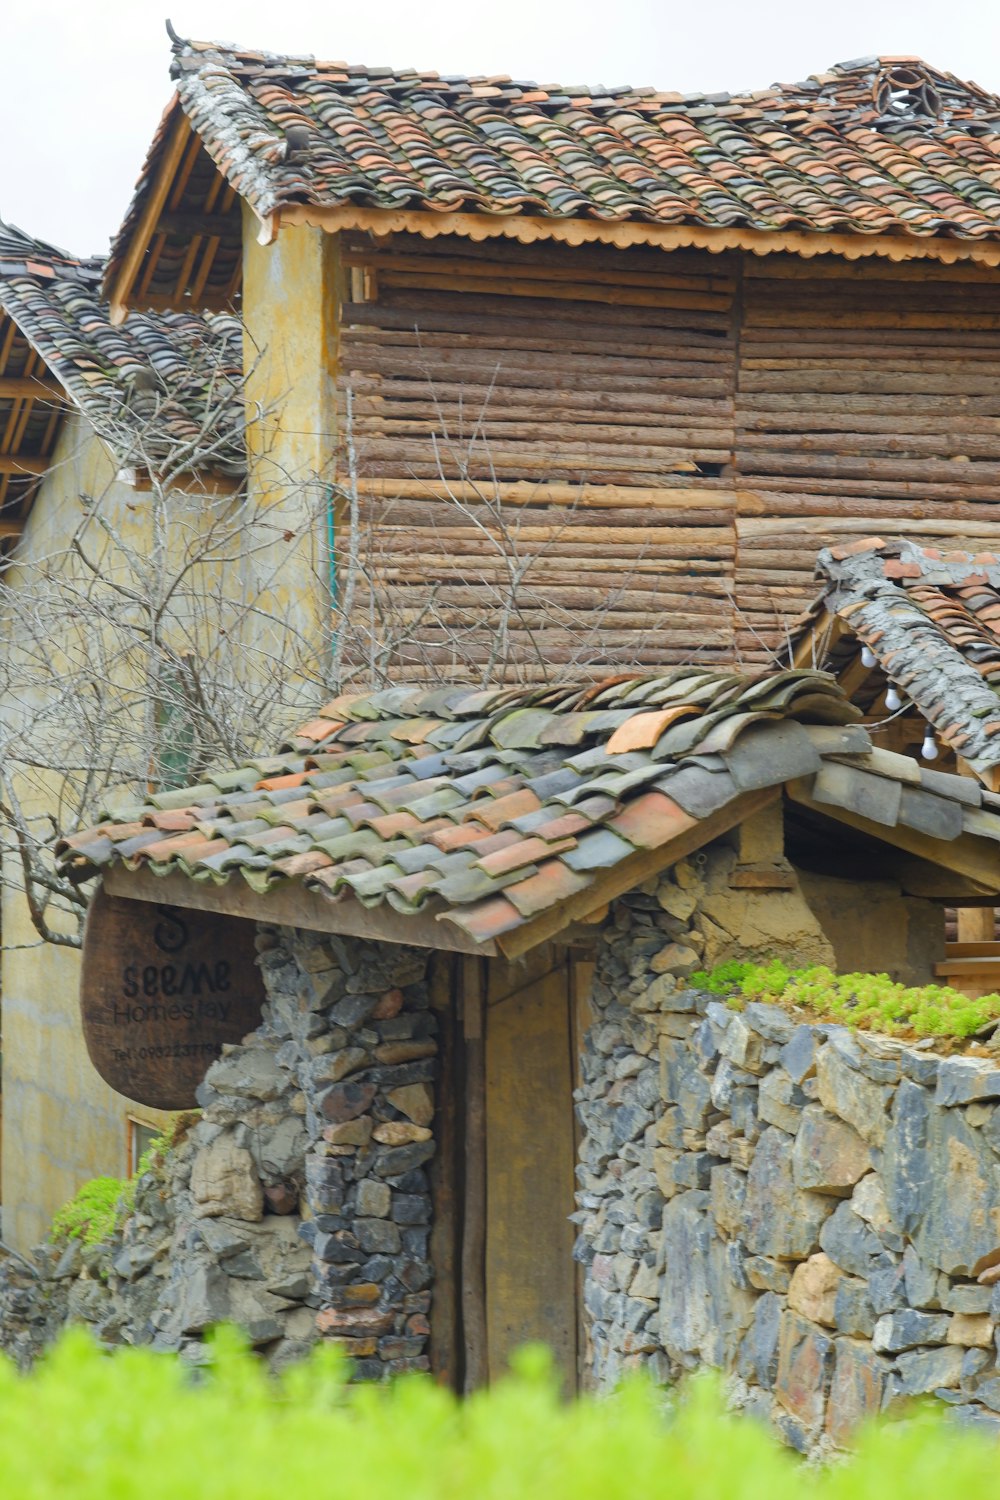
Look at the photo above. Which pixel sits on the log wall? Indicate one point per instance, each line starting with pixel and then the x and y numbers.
pixel 626 458
pixel 867 401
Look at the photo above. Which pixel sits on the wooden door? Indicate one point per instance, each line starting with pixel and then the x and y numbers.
pixel 529 1290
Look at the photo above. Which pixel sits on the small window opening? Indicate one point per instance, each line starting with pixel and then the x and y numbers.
pixel 140 1135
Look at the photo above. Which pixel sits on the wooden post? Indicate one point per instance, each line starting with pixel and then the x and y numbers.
pixel 446 1176
pixel 473 1000
pixel 976 924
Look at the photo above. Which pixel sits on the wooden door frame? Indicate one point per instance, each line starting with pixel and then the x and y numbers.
pixel 459 989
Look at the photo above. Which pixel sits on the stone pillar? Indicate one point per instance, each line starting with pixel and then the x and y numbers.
pixel 365 1050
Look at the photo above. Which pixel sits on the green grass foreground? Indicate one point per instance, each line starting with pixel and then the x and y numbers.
pixel 134 1425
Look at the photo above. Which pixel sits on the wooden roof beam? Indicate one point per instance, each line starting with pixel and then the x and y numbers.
pixel 292 905
pixel 142 235
pixel 973 859
pixel 12 464
pixel 31 388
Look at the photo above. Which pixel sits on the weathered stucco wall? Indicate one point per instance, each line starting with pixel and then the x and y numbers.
pixel 61 1122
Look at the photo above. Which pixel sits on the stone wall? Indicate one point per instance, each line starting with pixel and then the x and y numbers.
pixel 798 1205
pixel 298 1204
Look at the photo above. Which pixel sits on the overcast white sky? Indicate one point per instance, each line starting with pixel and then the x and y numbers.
pixel 83 82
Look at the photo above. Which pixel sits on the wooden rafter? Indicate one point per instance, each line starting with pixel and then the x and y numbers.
pixel 971 858
pixel 146 227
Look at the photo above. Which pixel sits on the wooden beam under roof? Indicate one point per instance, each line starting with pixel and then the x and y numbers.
pixel 290 904
pixel 142 235
pixel 13 464
pixel 973 858
pixel 31 388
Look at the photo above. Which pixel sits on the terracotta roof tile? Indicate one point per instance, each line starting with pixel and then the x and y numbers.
pixel 932 621
pixel 492 863
pixel 173 363
pixel 876 146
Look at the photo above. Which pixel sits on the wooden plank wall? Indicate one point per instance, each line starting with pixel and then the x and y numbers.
pixel 591 396
pixel 868 402
pixel 671 439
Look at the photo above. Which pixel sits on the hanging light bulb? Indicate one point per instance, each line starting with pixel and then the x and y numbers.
pixel 929 749
pixel 892 698
pixel 867 656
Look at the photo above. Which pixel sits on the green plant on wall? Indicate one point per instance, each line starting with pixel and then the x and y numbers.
pixel 872 1002
pixel 102 1205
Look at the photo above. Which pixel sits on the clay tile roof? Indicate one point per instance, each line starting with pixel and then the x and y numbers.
pixel 168 363
pixel 488 809
pixel 932 621
pixel 872 147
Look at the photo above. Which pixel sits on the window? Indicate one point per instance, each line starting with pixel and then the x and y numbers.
pixel 140 1136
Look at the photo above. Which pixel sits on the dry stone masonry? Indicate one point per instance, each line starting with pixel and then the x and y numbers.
pixel 298 1204
pixel 799 1205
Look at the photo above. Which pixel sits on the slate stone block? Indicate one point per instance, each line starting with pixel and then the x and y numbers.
pixel 849 1095
pixel 829 1156
pixel 963 1080
pixel 728 1195
pixel 805 1370
pixel 798 1055
pixel 857 1389
pixel 923 1370
pixel 851 1244
pixel 853 1312
pixel 780 1219
pixel 908 1329
pixel 758 1358
pixel 684 1307
pixel 780 1102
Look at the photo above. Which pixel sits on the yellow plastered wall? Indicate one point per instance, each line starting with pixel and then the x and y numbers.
pixel 61 1123
pixel 290 309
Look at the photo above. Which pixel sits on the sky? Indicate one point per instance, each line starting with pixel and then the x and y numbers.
pixel 83 82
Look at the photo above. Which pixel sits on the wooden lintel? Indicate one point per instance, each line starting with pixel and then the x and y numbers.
pixel 291 905
pixel 632 872
pixel 11 464
pixel 197 483
pixel 972 858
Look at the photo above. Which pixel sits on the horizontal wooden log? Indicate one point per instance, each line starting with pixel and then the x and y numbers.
pixel 581 313
pixel 565 273
pixel 478 398
pixel 562 326
pixel 708 493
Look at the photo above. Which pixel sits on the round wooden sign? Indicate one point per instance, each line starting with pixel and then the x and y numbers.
pixel 162 988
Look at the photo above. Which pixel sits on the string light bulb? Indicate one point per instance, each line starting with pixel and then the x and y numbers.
pixel 929 748
pixel 867 657
pixel 892 698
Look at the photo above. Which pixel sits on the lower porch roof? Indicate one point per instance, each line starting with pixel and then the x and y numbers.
pixel 488 821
